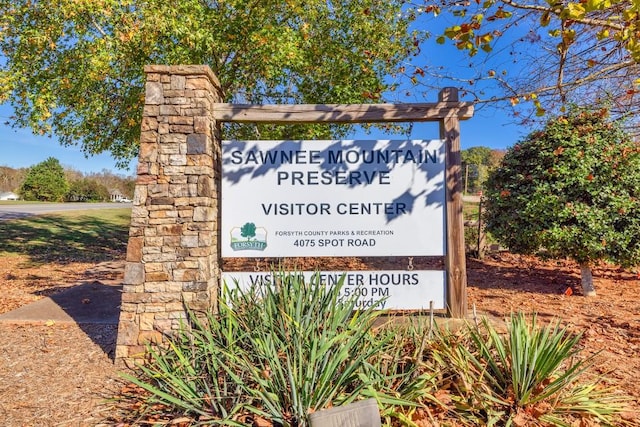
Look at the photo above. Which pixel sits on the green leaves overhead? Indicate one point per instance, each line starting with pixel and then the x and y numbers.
pixel 74 68
pixel 467 35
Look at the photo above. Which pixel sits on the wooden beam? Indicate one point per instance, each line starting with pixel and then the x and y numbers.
pixel 341 113
pixel 455 262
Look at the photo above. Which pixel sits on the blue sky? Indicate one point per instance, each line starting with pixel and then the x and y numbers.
pixel 21 148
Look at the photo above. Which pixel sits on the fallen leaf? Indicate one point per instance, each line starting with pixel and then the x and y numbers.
pixel 261 422
pixel 520 420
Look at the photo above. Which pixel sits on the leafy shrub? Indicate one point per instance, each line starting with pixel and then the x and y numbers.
pixel 528 376
pixel 471 239
pixel 277 352
pixel 570 190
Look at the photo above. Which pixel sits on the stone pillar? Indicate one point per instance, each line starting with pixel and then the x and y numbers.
pixel 173 256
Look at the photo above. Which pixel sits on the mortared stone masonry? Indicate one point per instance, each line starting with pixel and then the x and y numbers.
pixel 173 252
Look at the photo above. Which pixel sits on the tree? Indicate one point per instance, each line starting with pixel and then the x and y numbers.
pixel 76 70
pixel 545 54
pixel 129 185
pixel 87 190
pixel 248 230
pixel 45 182
pixel 572 190
pixel 125 185
pixel 10 178
pixel 476 164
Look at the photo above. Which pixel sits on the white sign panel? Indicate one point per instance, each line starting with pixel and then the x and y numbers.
pixel 399 290
pixel 333 198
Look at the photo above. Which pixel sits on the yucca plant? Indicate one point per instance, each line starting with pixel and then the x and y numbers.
pixel 305 347
pixel 529 374
pixel 460 376
pixel 190 375
pixel 275 352
pixel 402 381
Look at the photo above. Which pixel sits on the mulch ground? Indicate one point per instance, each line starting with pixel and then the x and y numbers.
pixel 58 375
pixel 63 375
pixel 610 323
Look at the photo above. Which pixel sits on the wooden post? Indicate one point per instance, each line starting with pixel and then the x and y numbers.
pixel 466 179
pixel 455 260
pixel 482 241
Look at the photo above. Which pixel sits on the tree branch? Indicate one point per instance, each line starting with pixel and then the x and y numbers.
pixel 556 11
pixel 97 26
pixel 545 89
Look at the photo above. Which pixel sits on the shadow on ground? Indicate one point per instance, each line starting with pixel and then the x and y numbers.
pixel 521 276
pixel 66 238
pixel 94 305
pixel 91 304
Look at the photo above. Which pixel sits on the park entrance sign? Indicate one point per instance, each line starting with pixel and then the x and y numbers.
pixel 339 199
pixel 383 200
pixel 333 198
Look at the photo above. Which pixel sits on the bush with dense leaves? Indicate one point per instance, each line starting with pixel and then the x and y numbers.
pixel 571 190
pixel 87 190
pixel 45 182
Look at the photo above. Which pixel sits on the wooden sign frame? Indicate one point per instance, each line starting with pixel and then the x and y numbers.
pixel 448 112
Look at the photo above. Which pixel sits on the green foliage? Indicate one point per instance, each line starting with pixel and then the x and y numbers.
pixel 296 362
pixel 471 240
pixel 528 376
pixel 282 351
pixel 403 378
pixel 476 163
pixel 45 182
pixel 477 156
pixel 278 352
pixel 190 376
pixel 87 190
pixel 76 69
pixel 569 190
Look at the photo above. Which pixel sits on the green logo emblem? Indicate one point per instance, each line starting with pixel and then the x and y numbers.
pixel 248 238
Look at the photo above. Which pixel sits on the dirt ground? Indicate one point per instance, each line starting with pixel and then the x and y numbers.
pixel 610 323
pixel 63 375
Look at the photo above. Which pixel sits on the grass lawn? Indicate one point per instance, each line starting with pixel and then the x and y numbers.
pixel 82 236
pixel 470 210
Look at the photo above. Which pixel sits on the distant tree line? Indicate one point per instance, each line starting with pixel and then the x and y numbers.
pixel 51 182
pixel 477 162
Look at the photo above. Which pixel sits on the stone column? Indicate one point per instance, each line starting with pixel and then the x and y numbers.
pixel 173 256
